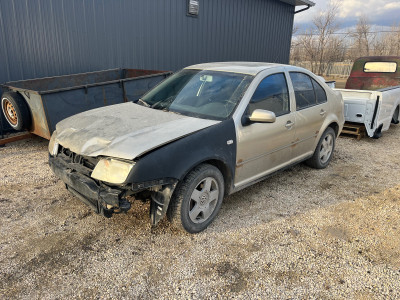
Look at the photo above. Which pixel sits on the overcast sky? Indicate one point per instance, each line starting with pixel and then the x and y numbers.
pixel 379 12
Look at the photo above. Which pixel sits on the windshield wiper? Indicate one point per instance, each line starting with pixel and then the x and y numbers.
pixel 143 103
pixel 174 112
pixel 163 104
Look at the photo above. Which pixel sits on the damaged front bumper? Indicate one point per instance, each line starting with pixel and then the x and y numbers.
pixel 102 199
pixel 106 200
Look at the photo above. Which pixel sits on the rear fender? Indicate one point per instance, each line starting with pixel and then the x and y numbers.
pixel 329 121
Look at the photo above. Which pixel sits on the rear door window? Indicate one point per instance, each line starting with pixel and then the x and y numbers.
pixel 303 90
pixel 271 94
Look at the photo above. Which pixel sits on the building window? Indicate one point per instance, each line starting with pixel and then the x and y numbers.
pixel 193 8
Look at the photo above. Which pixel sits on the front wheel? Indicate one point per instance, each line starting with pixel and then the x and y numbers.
pixel 323 153
pixel 197 199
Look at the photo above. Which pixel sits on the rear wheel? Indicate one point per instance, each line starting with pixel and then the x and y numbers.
pixel 395 118
pixel 15 110
pixel 323 153
pixel 197 199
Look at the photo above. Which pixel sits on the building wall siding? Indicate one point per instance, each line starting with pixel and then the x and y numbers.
pixel 41 38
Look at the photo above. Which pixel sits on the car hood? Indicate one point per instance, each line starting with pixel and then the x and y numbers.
pixel 124 130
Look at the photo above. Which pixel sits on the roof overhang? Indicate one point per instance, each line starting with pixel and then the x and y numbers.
pixel 299 2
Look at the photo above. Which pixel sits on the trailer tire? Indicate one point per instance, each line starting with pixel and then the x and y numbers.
pixel 395 118
pixel 16 110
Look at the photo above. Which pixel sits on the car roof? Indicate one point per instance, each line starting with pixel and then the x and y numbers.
pixel 243 67
pixel 379 58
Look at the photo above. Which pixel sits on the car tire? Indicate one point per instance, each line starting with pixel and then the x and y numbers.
pixel 197 199
pixel 395 118
pixel 16 111
pixel 324 151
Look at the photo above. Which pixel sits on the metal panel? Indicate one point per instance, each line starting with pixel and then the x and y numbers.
pixel 64 104
pixel 52 99
pixel 41 38
pixel 299 2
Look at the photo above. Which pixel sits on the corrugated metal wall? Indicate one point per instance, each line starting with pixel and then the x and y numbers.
pixel 45 38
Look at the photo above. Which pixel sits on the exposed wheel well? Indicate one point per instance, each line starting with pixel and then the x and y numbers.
pixel 222 167
pixel 335 127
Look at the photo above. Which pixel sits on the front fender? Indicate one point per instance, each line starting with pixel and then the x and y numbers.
pixel 176 159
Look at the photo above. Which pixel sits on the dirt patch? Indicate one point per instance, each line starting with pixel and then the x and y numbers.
pixel 304 233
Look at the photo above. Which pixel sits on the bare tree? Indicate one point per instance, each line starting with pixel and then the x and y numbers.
pixel 295 53
pixel 362 38
pixel 318 44
pixel 307 43
pixel 387 43
pixel 392 40
pixel 326 25
pixel 363 29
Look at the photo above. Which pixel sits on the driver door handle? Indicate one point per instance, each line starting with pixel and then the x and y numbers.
pixel 322 112
pixel 289 124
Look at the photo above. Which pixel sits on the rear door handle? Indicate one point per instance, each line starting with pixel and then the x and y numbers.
pixel 289 124
pixel 322 112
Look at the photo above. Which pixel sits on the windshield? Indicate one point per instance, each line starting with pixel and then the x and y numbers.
pixel 204 94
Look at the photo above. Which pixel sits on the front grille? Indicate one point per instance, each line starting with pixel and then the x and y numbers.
pixel 75 159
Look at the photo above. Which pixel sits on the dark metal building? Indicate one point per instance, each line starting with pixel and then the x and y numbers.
pixel 45 38
pixel 40 38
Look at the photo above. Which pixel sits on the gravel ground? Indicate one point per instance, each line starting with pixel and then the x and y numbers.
pixel 304 233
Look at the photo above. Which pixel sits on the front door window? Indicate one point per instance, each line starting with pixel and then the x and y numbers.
pixel 271 94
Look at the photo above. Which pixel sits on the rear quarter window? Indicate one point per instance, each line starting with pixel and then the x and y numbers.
pixel 320 93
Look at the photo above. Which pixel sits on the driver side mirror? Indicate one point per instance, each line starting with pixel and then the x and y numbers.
pixel 262 116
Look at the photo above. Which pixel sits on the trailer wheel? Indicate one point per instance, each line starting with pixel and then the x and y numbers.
pixel 15 110
pixel 395 118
